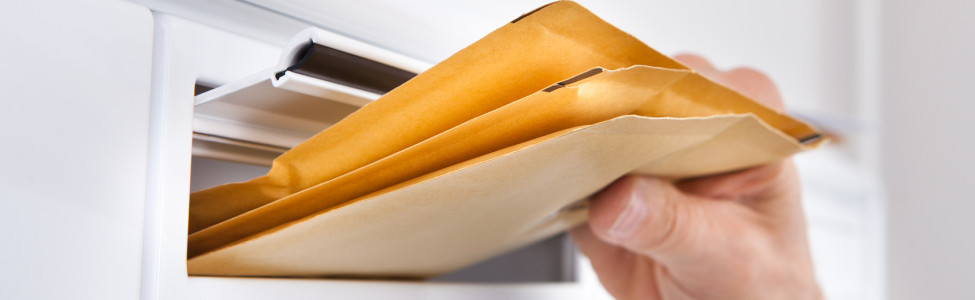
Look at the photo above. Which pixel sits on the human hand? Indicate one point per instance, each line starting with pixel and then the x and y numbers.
pixel 739 235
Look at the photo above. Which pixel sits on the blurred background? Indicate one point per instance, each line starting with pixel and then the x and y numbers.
pixel 889 201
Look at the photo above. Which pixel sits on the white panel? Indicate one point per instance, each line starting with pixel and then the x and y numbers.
pixel 75 86
pixel 427 30
pixel 928 158
pixel 844 213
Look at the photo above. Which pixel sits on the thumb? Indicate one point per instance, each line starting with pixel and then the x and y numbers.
pixel 650 216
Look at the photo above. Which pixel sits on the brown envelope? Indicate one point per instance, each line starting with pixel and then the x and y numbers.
pixel 483 153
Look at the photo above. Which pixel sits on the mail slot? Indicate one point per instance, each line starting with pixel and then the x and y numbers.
pixel 239 127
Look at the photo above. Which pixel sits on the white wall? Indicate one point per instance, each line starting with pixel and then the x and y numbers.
pixel 928 60
pixel 74 91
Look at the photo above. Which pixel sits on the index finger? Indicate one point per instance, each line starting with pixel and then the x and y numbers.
pixel 747 81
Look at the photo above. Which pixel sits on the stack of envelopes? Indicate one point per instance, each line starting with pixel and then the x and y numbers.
pixel 491 149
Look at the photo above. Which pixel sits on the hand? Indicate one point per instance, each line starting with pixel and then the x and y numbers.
pixel 740 235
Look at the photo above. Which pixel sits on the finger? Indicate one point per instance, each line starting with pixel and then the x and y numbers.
pixel 737 185
pixel 652 217
pixel 769 190
pixel 695 62
pixel 755 85
pixel 701 65
pixel 747 81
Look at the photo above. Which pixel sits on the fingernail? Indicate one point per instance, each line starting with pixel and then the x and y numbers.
pixel 632 215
